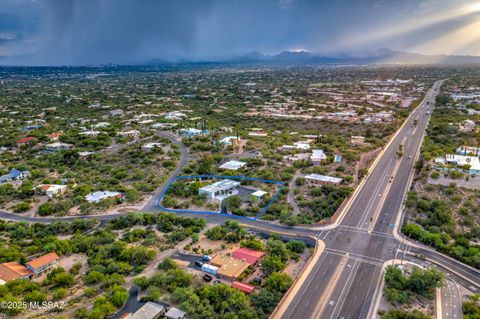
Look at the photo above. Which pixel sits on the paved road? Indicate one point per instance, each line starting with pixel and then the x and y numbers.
pixel 366 234
pixel 151 204
pixel 356 249
pixel 451 300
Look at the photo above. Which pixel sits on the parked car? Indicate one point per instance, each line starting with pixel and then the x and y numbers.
pixel 207 278
pixel 216 282
pixel 198 263
pixel 206 258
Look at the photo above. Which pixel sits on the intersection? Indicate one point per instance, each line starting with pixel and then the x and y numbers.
pixel 342 284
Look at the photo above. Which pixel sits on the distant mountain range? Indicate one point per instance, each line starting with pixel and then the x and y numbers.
pixel 378 56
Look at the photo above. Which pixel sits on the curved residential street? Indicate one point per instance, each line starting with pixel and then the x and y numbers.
pixel 343 282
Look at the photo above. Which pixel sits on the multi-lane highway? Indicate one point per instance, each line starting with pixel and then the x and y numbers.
pixel 342 283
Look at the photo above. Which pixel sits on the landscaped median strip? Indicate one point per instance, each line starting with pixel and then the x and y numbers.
pixel 381 282
pixel 287 299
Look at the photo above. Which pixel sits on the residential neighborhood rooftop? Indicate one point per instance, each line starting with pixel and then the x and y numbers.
pixel 233 165
pixel 222 185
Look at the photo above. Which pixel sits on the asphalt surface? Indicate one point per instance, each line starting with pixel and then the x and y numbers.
pixel 343 282
pixel 365 235
pixel 451 300
pixel 152 203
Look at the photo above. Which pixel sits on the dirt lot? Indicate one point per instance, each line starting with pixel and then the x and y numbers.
pixel 293 267
pixel 215 247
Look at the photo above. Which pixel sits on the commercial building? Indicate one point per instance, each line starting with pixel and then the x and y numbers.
pixel 43 264
pixel 222 188
pixel 317 179
pixel 233 165
pixel 229 267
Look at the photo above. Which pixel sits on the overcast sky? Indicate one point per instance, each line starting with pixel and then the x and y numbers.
pixel 52 32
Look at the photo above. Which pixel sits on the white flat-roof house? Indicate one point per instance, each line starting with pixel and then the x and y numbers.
pixel 228 140
pixel 317 157
pixel 462 160
pixel 175 115
pixel 317 179
pixel 220 189
pixel 130 133
pixel 55 147
pixel 97 197
pixel 51 189
pixel 190 132
pixel 233 165
pixel 297 145
pixel 258 134
pixel 148 147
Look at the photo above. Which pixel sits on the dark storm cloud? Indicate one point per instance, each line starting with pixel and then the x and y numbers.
pixel 134 31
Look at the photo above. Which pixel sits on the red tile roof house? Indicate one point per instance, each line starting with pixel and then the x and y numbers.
pixel 12 271
pixel 249 255
pixel 54 136
pixel 246 288
pixel 43 264
pixel 25 141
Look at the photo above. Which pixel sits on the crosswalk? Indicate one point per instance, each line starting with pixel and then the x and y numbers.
pixel 324 234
